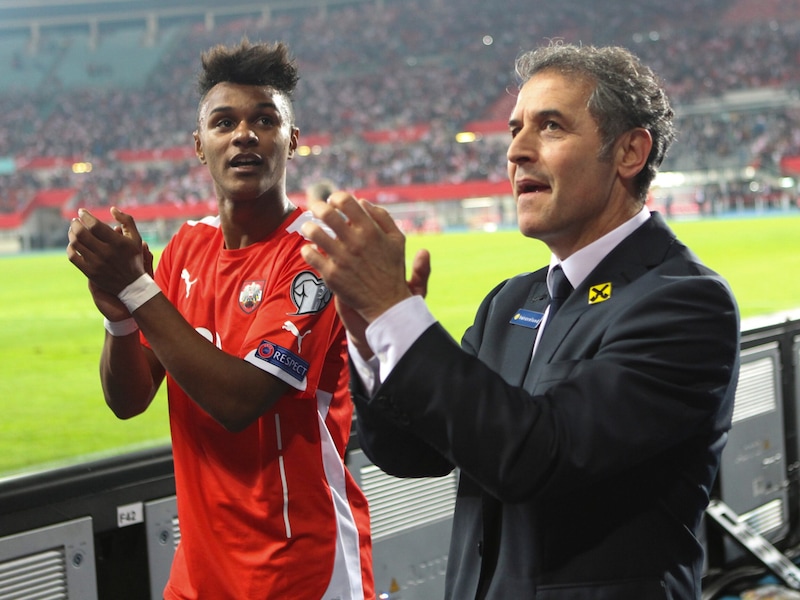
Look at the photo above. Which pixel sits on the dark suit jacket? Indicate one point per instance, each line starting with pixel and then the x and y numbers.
pixel 586 475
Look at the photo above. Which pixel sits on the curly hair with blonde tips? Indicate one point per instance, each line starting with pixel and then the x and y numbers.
pixel 263 64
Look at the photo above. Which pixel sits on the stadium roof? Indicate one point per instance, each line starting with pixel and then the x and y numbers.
pixel 26 14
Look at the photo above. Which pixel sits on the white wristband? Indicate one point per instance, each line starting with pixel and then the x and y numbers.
pixel 138 292
pixel 121 328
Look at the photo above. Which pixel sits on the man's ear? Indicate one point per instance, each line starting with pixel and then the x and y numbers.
pixel 294 137
pixel 198 148
pixel 632 152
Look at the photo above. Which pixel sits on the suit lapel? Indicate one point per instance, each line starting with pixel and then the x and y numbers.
pixel 520 337
pixel 568 316
pixel 632 258
pixel 642 250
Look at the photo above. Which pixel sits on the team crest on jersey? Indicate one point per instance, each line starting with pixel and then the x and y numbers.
pixel 250 295
pixel 309 293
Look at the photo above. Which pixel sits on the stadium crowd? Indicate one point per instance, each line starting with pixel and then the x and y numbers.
pixel 387 66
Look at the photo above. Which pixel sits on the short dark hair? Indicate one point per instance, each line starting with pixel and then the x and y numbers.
pixel 262 64
pixel 627 94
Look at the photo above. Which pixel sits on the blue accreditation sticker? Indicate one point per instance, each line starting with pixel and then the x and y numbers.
pixel 527 318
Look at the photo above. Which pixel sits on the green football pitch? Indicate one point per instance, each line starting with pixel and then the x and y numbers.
pixel 53 410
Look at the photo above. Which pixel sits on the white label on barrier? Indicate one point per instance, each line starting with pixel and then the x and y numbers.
pixel 130 514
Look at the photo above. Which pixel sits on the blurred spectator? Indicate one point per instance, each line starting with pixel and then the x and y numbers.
pixel 386 66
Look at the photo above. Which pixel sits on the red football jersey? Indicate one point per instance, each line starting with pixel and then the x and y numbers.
pixel 269 512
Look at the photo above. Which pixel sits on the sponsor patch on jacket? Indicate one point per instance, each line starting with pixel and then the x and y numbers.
pixel 284 359
pixel 527 318
pixel 600 292
pixel 309 293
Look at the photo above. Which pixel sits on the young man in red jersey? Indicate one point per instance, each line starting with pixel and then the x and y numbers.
pixel 254 354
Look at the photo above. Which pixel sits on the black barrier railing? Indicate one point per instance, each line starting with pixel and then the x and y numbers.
pixel 117 495
pixel 33 500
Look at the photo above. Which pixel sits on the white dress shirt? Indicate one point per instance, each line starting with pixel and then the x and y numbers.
pixel 393 333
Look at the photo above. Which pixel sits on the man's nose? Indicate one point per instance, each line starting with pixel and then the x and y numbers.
pixel 521 149
pixel 244 134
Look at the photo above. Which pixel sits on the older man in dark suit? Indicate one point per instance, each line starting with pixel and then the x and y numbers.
pixel 588 439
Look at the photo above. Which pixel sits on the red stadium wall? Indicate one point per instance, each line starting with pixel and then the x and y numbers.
pixel 790 165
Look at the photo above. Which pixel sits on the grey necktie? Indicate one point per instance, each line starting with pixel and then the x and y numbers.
pixel 562 288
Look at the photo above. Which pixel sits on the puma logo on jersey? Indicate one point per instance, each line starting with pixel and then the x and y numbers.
pixel 292 328
pixel 187 279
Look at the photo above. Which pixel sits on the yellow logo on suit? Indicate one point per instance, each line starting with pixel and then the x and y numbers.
pixel 599 292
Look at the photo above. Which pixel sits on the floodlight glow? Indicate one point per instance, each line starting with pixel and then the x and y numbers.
pixel 669 179
pixel 466 137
